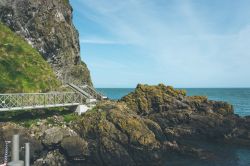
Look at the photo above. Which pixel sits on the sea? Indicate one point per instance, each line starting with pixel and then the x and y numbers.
pixel 226 155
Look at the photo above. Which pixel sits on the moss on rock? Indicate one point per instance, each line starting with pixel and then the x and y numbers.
pixel 118 130
pixel 75 146
pixel 146 99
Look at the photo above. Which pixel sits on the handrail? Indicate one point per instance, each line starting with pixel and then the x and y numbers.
pixel 8 94
pixel 76 88
pixel 97 94
pixel 87 91
pixel 21 101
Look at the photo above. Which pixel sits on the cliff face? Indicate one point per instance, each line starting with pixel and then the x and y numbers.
pixel 47 26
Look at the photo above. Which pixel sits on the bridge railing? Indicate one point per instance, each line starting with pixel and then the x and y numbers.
pixel 97 95
pixel 90 90
pixel 20 101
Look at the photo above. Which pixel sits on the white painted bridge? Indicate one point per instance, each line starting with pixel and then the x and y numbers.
pixel 81 96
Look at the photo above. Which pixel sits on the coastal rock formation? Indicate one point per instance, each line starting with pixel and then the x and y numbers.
pixel 157 123
pixel 154 125
pixel 47 26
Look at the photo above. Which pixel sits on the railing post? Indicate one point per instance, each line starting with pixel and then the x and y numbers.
pixel 34 100
pixel 74 94
pixel 15 148
pixel 22 104
pixel 54 99
pixel 81 99
pixel 63 98
pixel 44 99
pixel 27 154
pixel 28 99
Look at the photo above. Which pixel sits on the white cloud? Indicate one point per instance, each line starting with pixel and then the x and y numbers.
pixel 94 40
pixel 181 43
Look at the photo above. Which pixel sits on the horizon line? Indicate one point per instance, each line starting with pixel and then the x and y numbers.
pixel 178 87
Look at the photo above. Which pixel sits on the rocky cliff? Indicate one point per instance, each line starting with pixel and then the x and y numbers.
pixel 154 125
pixel 47 26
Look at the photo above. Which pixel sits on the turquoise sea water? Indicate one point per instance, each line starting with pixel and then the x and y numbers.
pixel 238 97
pixel 226 156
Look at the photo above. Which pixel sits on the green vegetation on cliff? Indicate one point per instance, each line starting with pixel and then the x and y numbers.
pixel 66 2
pixel 22 68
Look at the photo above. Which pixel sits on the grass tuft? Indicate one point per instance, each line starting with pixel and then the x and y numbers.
pixel 22 68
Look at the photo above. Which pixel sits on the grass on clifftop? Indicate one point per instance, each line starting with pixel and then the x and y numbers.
pixel 66 1
pixel 22 68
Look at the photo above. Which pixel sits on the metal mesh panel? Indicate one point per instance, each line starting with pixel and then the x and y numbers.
pixel 41 100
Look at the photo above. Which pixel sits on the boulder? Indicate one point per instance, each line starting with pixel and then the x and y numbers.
pixel 75 147
pixel 54 136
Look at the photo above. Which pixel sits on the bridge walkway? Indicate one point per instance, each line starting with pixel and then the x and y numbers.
pixel 24 101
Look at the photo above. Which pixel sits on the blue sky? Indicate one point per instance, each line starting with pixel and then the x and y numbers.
pixel 183 43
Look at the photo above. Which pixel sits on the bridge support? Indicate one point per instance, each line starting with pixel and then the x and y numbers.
pixel 81 109
pixel 15 152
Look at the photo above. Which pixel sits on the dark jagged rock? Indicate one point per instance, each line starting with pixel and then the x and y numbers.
pixel 75 147
pixel 155 125
pixel 52 158
pixel 47 26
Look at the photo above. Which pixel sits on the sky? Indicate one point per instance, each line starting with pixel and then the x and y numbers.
pixel 183 43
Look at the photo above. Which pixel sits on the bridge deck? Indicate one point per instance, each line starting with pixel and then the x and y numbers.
pixel 22 101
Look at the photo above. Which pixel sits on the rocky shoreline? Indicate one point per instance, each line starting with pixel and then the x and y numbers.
pixel 154 125
pixel 150 126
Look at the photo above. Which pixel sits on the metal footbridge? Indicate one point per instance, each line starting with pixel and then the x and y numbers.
pixel 23 101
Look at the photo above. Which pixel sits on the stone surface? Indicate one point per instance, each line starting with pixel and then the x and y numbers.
pixel 154 125
pixel 52 158
pixel 47 26
pixel 75 147
pixel 53 136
